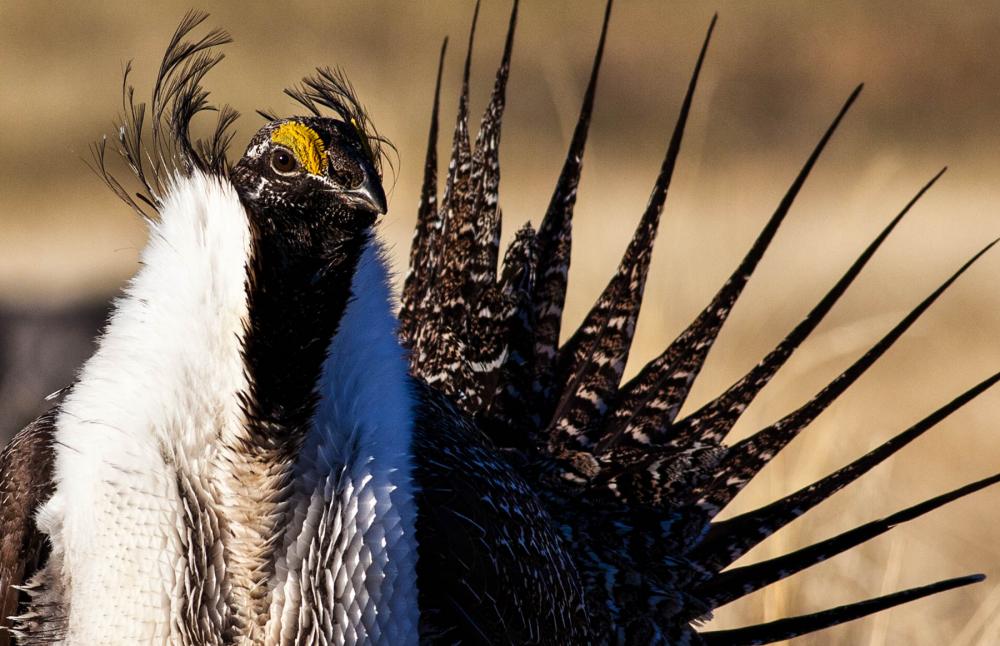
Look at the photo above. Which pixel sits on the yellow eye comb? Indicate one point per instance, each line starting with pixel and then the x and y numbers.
pixel 304 143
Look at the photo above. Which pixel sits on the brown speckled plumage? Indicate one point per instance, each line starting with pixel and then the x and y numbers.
pixel 25 483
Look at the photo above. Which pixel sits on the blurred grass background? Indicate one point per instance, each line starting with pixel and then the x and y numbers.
pixel 776 73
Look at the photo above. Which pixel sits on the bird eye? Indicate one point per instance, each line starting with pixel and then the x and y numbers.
pixel 283 161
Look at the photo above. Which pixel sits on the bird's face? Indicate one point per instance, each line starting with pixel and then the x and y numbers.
pixel 310 180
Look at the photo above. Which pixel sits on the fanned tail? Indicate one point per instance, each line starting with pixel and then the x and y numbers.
pixel 633 490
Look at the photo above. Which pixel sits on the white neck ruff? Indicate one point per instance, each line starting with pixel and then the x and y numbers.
pixel 152 403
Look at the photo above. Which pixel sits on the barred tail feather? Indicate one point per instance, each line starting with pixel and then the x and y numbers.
pixel 428 219
pixel 651 400
pixel 713 421
pixel 593 359
pixel 555 238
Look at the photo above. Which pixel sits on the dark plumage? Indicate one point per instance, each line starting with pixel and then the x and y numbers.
pixel 25 483
pixel 633 489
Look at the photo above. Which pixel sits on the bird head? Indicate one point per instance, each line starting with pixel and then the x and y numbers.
pixel 310 177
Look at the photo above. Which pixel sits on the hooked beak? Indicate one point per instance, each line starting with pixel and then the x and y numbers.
pixel 369 195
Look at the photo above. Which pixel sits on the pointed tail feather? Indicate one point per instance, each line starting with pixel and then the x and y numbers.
pixel 713 421
pixel 481 225
pixel 730 539
pixel 468 277
pixel 593 360
pixel 555 235
pixel 428 221
pixel 749 456
pixel 426 340
pixel 796 626
pixel 736 583
pixel 651 400
pixel 458 343
pixel 457 186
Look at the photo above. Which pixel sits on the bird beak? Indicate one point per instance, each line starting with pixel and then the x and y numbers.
pixel 369 195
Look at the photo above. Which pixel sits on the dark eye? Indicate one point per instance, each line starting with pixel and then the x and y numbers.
pixel 283 161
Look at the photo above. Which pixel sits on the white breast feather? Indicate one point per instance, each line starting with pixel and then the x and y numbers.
pixel 156 393
pixel 153 401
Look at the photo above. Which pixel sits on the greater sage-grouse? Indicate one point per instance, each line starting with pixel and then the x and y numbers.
pixel 260 452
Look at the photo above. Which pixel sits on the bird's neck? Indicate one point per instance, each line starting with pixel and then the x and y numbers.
pixel 352 514
pixel 327 438
pixel 296 294
pixel 296 299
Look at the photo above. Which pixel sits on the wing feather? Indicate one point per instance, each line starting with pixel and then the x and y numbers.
pixel 25 483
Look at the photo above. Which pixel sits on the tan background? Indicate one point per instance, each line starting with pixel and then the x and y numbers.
pixel 776 74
